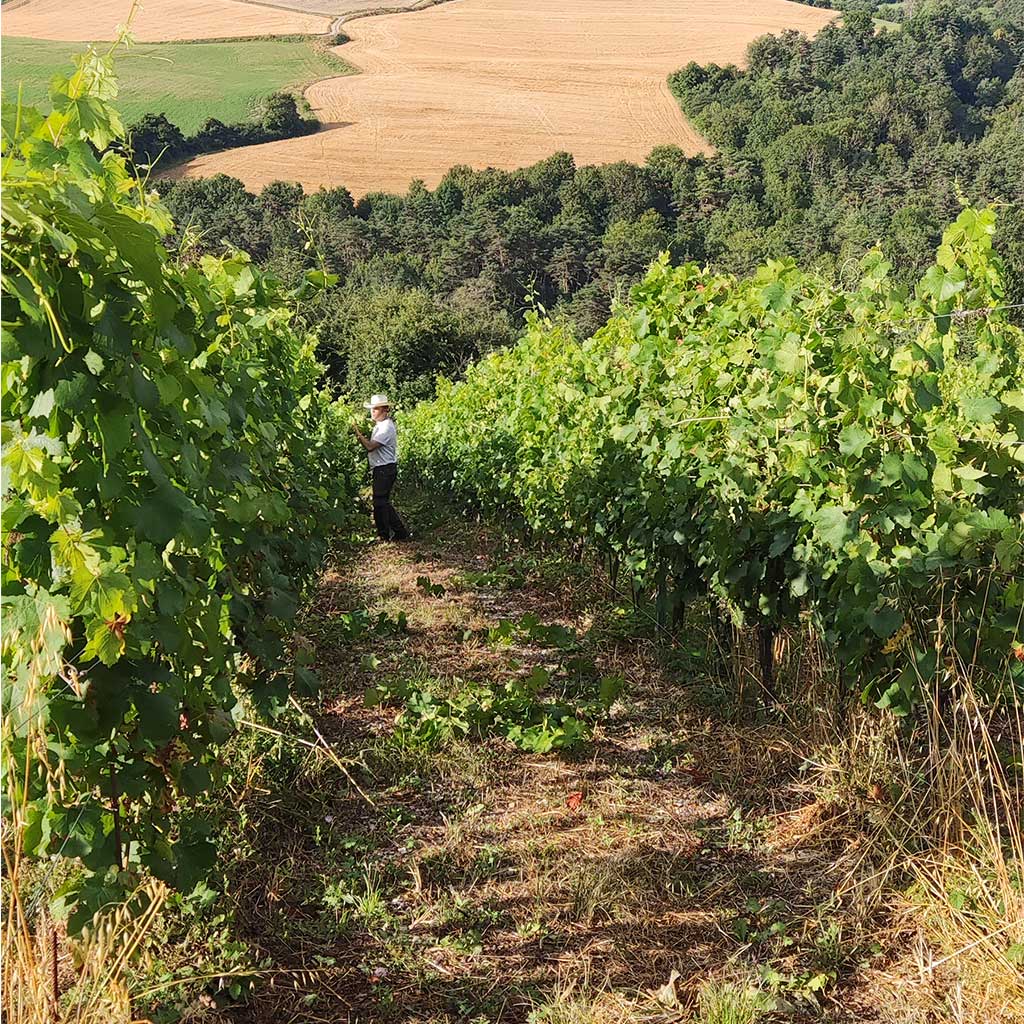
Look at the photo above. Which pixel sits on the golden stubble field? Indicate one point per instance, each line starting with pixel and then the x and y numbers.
pixel 505 83
pixel 155 20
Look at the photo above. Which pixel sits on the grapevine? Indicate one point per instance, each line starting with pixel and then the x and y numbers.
pixel 172 473
pixel 786 447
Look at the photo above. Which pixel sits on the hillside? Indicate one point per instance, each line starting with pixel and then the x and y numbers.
pixel 694 696
pixel 491 83
pixel 815 166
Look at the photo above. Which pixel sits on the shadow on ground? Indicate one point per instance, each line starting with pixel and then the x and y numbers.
pixel 474 882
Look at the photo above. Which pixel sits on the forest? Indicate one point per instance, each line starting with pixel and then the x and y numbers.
pixel 826 147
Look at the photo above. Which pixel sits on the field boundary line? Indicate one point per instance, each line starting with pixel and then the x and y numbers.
pixel 316 38
pixel 380 12
pixel 338 19
pixel 15 4
pixel 279 7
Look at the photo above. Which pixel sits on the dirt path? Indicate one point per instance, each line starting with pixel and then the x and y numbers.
pixel 671 858
pixel 503 83
pixel 356 10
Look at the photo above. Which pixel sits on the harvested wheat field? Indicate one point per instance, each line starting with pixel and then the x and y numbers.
pixel 505 83
pixel 155 20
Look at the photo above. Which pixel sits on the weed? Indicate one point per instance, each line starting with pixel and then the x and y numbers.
pixel 367 899
pixel 727 1003
pixel 534 928
pixel 665 756
pixel 500 577
pixel 529 629
pixel 350 627
pixel 337 899
pixel 428 587
pixel 761 924
pixel 400 761
pixel 458 910
pixel 437 713
pixel 468 942
pixel 744 833
pixel 488 861
pixel 803 986
pixel 574 1003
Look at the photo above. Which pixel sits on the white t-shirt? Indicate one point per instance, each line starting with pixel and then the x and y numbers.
pixel 386 436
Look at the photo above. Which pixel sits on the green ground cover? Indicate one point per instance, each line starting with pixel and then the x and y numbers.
pixel 189 82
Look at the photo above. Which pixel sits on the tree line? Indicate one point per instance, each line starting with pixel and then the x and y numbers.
pixel 825 146
pixel 156 138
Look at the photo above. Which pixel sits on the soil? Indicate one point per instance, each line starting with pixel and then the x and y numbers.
pixel 670 856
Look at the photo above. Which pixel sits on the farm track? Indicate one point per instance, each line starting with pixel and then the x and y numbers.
pixel 371 12
pixel 506 875
pixel 476 82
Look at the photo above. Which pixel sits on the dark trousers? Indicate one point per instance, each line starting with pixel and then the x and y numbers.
pixel 385 518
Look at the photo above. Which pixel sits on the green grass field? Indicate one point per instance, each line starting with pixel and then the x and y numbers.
pixel 189 82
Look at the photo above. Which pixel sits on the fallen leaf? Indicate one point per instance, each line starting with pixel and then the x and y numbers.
pixel 667 995
pixel 573 800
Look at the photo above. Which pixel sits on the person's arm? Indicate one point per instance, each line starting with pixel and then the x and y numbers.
pixel 368 443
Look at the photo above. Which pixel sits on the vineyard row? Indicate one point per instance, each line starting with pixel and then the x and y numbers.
pixel 788 448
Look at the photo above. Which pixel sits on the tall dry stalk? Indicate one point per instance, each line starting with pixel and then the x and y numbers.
pixel 943 852
pixel 49 979
pixel 969 878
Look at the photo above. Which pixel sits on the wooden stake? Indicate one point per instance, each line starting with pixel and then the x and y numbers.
pixel 766 642
pixel 54 975
pixel 115 799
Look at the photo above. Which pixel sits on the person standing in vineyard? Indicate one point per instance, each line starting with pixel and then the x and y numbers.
pixel 382 451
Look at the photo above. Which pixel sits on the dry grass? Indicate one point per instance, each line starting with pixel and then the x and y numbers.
pixel 490 83
pixel 47 978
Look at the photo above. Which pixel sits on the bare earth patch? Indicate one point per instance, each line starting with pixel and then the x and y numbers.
pixel 157 20
pixel 505 83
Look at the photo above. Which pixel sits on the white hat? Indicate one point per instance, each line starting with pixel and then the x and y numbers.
pixel 376 400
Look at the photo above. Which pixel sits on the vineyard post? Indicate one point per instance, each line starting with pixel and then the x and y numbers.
pixel 766 645
pixel 115 801
pixel 722 631
pixel 662 598
pixel 678 605
pixel 54 975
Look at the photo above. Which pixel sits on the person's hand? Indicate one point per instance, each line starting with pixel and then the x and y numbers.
pixel 354 427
